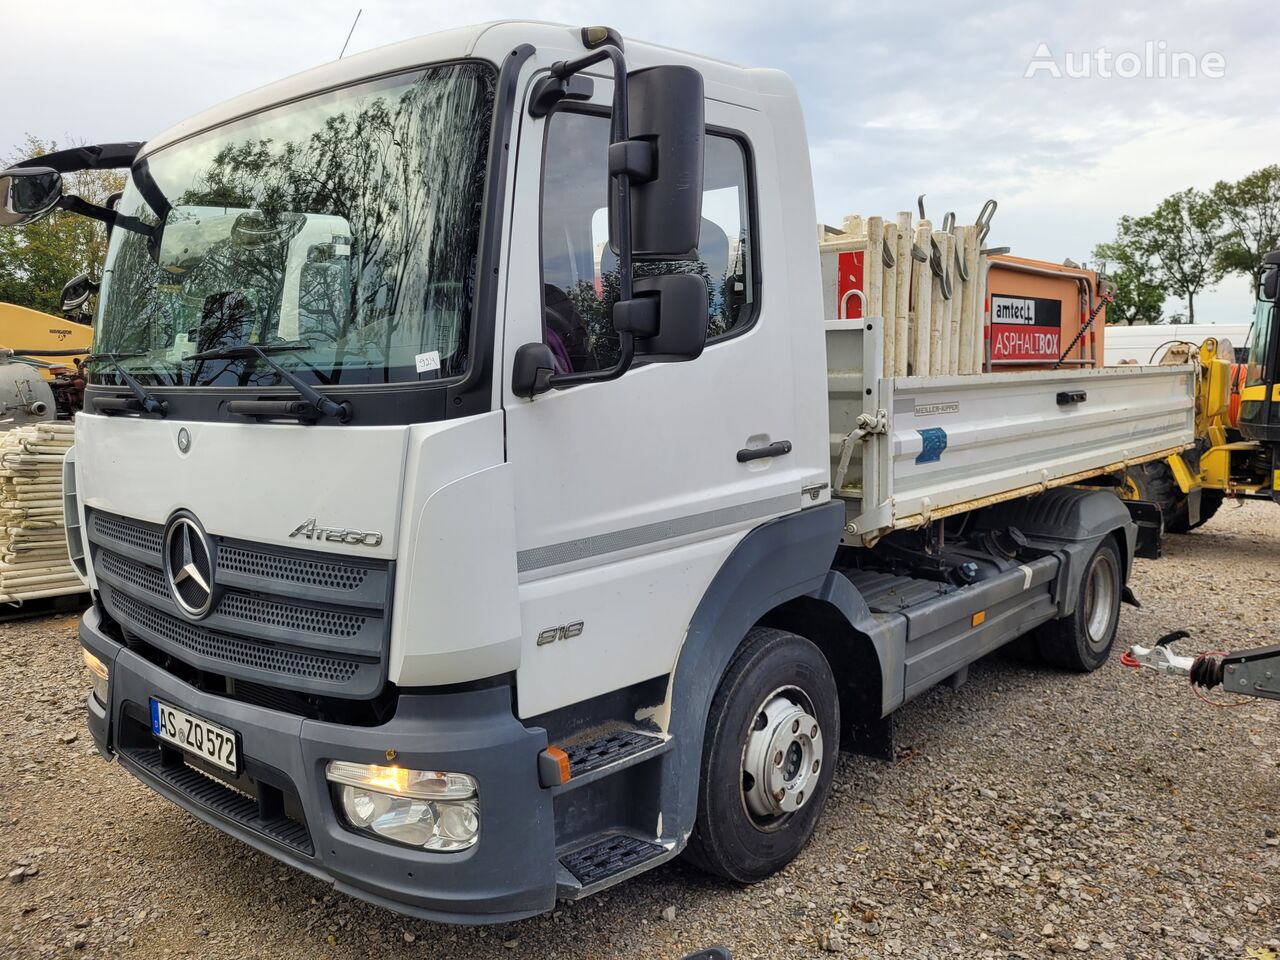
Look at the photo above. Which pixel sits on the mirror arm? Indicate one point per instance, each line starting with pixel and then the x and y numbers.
pixel 112 218
pixel 84 208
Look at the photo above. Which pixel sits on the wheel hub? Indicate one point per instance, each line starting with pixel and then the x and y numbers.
pixel 782 758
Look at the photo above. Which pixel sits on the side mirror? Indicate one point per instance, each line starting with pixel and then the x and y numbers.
pixel 77 292
pixel 655 211
pixel 668 317
pixel 532 371
pixel 27 194
pixel 665 114
pixel 1270 284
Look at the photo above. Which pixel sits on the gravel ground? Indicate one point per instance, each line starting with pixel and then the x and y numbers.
pixel 1031 814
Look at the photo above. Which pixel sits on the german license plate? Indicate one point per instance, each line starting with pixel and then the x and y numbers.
pixel 212 743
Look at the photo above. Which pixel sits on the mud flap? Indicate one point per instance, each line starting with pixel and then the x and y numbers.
pixel 1150 522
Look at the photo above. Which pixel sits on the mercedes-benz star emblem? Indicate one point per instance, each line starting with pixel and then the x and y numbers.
pixel 188 564
pixel 184 440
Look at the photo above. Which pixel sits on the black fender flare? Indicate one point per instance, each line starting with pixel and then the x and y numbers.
pixel 778 561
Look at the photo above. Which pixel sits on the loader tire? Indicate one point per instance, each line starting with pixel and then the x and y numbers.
pixel 1210 501
pixel 1153 481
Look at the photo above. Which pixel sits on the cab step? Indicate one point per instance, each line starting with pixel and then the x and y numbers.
pixel 591 759
pixel 608 860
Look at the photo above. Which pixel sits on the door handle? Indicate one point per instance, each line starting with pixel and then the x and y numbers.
pixel 778 449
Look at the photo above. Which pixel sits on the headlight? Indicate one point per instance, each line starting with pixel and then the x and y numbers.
pixel 430 809
pixel 100 675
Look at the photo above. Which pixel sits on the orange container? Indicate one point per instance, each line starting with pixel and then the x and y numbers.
pixel 1035 309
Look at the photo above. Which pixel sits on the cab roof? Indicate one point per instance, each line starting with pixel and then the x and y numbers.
pixel 488 41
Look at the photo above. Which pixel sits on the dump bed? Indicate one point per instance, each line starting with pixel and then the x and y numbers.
pixel 905 450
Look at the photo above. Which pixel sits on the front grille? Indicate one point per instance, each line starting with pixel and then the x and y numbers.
pixel 302 619
pixel 134 534
pixel 293 620
pixel 232 650
pixel 317 573
pixel 136 574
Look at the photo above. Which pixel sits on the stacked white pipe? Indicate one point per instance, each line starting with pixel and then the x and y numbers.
pixel 34 562
pixel 933 323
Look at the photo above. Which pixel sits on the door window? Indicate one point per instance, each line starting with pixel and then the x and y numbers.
pixel 580 271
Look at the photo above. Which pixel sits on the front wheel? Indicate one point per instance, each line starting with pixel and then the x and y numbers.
pixel 770 753
pixel 1082 640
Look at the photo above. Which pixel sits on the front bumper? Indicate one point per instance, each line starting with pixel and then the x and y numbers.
pixel 509 874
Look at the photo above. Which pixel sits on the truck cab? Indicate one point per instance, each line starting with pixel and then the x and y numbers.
pixel 455 479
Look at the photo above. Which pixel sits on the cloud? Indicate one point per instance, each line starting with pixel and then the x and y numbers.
pixel 900 99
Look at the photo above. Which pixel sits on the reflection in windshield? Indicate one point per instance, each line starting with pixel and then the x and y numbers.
pixel 348 222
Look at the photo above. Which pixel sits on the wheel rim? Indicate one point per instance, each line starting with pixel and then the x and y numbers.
pixel 1100 600
pixel 782 757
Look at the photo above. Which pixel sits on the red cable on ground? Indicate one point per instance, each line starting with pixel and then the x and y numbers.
pixel 1214 703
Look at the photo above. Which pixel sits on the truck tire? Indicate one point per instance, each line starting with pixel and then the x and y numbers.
pixel 1082 640
pixel 768 757
pixel 1153 481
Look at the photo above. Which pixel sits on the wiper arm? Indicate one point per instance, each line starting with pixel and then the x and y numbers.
pixel 324 406
pixel 148 403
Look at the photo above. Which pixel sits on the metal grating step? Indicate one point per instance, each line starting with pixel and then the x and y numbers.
pixel 221 799
pixel 610 856
pixel 594 754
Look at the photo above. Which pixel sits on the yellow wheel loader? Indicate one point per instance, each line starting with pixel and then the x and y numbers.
pixel 1237 452
pixel 40 358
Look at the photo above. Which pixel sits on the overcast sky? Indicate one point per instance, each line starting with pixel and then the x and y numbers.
pixel 900 98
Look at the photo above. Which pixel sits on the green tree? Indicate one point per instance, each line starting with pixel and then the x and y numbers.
pixel 1140 295
pixel 1180 239
pixel 1251 214
pixel 37 259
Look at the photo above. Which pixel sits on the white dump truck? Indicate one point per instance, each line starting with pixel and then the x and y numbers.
pixel 482 506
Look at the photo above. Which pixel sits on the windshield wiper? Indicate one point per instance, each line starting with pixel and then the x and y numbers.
pixel 146 401
pixel 319 403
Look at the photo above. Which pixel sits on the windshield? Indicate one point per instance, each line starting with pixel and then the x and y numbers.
pixel 1259 341
pixel 343 228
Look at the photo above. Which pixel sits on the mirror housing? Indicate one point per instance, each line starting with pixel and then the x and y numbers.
pixel 532 371
pixel 663 154
pixel 76 292
pixel 668 317
pixel 1270 285
pixel 27 194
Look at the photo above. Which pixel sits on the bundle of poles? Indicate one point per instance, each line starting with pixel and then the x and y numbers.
pixel 927 286
pixel 34 562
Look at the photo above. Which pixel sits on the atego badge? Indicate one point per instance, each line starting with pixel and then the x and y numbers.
pixel 310 530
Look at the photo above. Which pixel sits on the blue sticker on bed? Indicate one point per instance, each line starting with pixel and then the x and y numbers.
pixel 933 440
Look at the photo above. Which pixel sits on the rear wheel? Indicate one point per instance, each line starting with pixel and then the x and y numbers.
pixel 770 753
pixel 1082 640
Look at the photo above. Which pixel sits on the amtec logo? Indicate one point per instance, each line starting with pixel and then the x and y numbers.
pixel 1013 310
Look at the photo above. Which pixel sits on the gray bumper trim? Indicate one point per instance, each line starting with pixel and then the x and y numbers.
pixel 510 873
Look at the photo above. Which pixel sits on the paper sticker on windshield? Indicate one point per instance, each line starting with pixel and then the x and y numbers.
pixel 426 362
